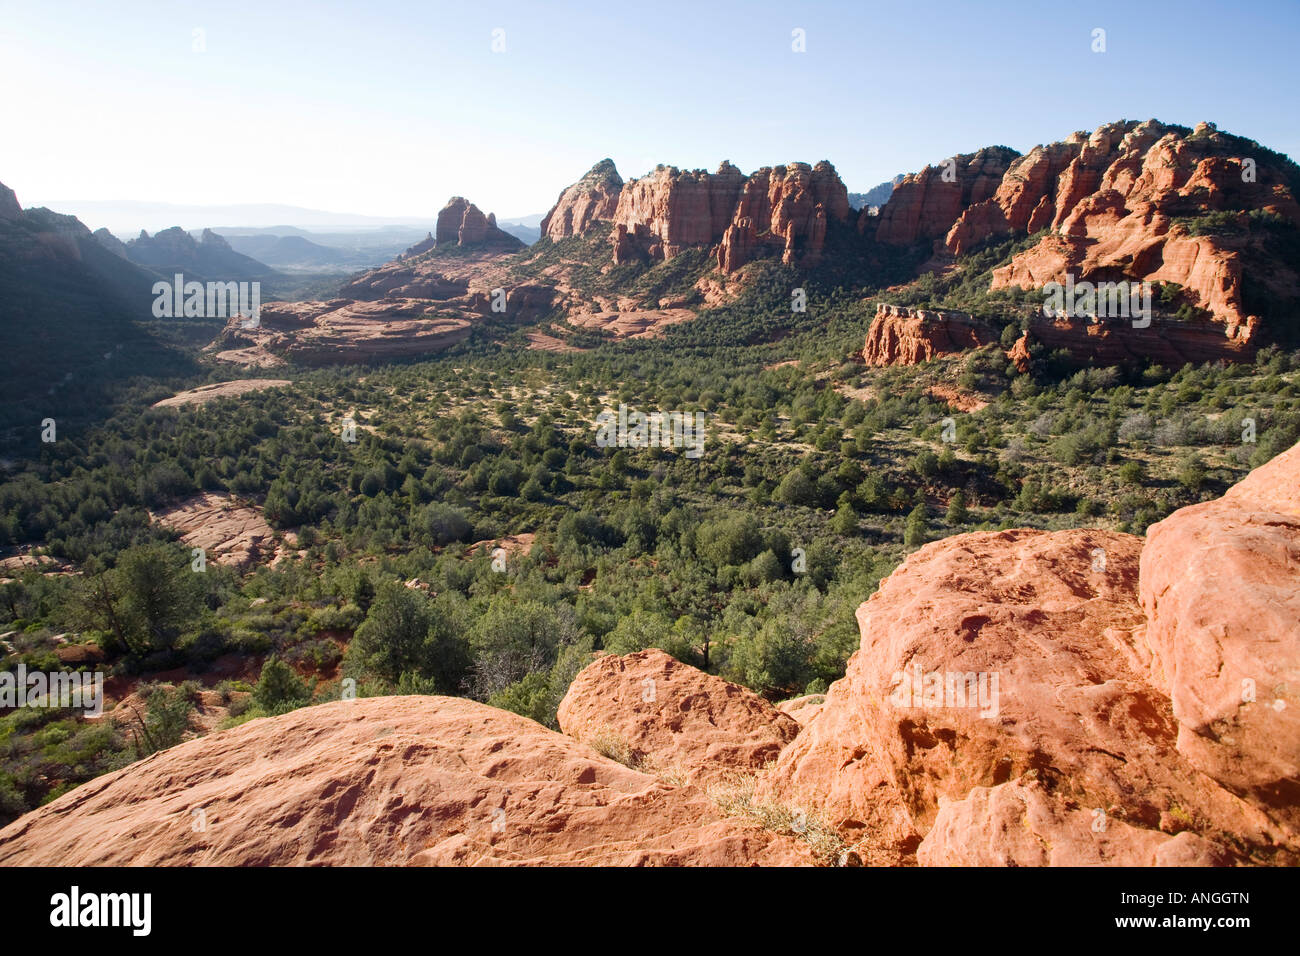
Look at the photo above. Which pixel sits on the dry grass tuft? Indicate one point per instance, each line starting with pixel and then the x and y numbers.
pixel 734 796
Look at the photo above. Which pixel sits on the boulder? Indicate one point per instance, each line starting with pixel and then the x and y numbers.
pixel 1003 686
pixel 1220 585
pixel 673 717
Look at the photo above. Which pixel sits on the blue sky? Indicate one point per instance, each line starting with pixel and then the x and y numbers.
pixel 389 108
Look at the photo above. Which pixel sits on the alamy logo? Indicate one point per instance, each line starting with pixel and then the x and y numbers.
pixel 1099 300
pixel 217 300
pixel 941 689
pixel 73 689
pixel 74 908
pixel 657 430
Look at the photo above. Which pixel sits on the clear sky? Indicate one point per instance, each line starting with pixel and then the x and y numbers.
pixel 388 108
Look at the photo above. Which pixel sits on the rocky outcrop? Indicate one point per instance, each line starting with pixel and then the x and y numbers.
pixel 1019 355
pixel 630 323
pixel 784 211
pixel 1167 340
pixel 1119 202
pixel 462 223
pixel 593 198
pixel 802 709
pixel 341 331
pixel 211 393
pixel 387 781
pixel 398 280
pixel 229 532
pixel 1221 590
pixel 902 336
pixel 778 211
pixel 672 717
pixel 1013 701
pixel 427 244
pixel 670 210
pixel 926 204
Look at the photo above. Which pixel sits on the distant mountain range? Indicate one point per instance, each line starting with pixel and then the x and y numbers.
pixel 125 218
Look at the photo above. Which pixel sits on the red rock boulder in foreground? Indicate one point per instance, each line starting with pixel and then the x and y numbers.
pixel 1221 591
pixel 1001 710
pixel 386 781
pixel 674 717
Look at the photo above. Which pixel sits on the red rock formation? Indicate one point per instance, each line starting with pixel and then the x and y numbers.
pixel 780 210
pixel 672 717
pixel 463 223
pixel 926 204
pixel 387 781
pixel 229 532
pixel 1112 735
pixel 593 198
pixel 903 336
pixel 427 244
pixel 671 209
pixel 1219 588
pixel 1168 341
pixel 1111 199
pixel 784 210
pixel 1018 355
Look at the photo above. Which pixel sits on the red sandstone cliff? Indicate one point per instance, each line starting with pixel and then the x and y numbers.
pixel 903 336
pixel 593 198
pixel 926 204
pixel 780 211
pixel 1125 202
pixel 785 211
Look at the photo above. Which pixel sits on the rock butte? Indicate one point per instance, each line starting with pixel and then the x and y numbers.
pixel 776 211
